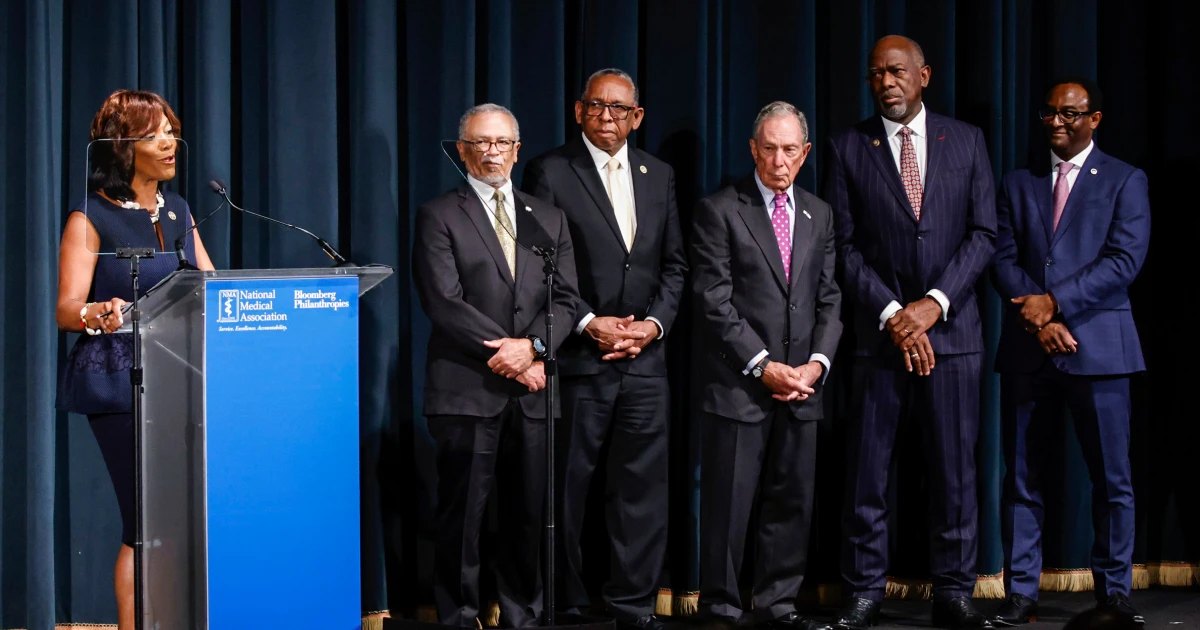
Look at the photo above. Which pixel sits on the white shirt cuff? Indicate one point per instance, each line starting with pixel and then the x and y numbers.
pixel 942 300
pixel 753 362
pixel 823 360
pixel 661 331
pixel 587 319
pixel 892 308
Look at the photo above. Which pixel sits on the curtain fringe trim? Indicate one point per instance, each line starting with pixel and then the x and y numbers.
pixel 986 587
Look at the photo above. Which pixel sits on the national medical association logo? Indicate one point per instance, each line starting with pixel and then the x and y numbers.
pixel 227 307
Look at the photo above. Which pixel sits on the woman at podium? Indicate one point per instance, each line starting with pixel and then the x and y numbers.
pixel 133 151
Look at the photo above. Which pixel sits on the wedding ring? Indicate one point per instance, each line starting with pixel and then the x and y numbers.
pixel 915 355
pixel 907 331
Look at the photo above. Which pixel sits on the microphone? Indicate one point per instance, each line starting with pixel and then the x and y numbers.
pixel 219 187
pixel 179 252
pixel 539 243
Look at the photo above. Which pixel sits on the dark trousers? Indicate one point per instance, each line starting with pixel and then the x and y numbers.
pixel 472 454
pixel 1033 430
pixel 945 405
pixel 774 459
pixel 630 414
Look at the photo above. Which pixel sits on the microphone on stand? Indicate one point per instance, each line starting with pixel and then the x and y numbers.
pixel 218 187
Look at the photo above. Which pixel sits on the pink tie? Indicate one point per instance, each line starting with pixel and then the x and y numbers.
pixel 910 173
pixel 779 221
pixel 1061 190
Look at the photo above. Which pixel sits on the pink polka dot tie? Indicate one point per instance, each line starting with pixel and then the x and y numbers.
pixel 783 236
pixel 910 173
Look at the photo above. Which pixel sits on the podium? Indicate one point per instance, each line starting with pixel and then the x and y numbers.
pixel 250 449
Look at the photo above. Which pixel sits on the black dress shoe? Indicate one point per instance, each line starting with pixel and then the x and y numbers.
pixel 857 614
pixel 957 614
pixel 1015 611
pixel 1121 604
pixel 793 621
pixel 649 622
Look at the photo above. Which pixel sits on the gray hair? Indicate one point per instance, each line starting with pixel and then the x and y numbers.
pixel 487 108
pixel 612 72
pixel 777 109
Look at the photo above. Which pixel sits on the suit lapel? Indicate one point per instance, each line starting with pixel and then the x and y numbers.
pixel 526 225
pixel 1080 190
pixel 585 168
pixel 801 236
pixel 477 212
pixel 641 191
pixel 880 149
pixel 754 214
pixel 1043 193
pixel 933 154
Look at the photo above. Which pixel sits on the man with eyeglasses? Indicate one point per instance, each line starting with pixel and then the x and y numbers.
pixel 1073 234
pixel 486 300
pixel 620 205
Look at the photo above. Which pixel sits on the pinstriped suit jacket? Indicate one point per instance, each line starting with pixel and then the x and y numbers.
pixel 886 254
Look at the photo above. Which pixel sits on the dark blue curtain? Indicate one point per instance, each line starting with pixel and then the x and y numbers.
pixel 329 114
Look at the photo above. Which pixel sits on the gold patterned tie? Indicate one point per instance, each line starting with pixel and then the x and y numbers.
pixel 620 202
pixel 505 232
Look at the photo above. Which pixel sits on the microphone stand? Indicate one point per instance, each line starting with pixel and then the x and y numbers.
pixel 135 255
pixel 550 363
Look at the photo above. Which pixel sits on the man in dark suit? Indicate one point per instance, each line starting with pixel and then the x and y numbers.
pixel 620 206
pixel 915 209
pixel 763 266
pixel 485 298
pixel 1073 236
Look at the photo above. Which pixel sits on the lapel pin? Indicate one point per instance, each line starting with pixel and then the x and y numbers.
pixel 643 169
pixel 1093 173
pixel 806 213
pixel 875 142
pixel 528 209
pixel 172 213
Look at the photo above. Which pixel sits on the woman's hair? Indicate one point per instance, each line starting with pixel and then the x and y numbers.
pixel 125 114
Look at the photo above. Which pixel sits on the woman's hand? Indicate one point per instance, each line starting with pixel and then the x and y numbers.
pixel 109 323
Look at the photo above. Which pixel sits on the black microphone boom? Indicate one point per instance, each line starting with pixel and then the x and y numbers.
pixel 218 187
pixel 179 252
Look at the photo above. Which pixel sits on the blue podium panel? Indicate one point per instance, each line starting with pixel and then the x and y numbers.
pixel 281 400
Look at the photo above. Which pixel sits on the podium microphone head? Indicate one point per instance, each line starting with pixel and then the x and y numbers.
pixel 217 186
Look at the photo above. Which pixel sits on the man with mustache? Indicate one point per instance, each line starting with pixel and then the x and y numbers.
pixel 486 301
pixel 763 265
pixel 914 206
pixel 1074 233
pixel 620 206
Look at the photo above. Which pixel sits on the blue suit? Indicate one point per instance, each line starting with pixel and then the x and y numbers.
pixel 1088 264
pixel 887 254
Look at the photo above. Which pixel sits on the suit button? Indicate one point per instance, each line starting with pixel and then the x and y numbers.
pixel 791 307
pixel 785 341
pixel 1049 262
pixel 517 309
pixel 920 238
pixel 626 266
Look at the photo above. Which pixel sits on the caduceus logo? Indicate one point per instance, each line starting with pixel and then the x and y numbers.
pixel 228 299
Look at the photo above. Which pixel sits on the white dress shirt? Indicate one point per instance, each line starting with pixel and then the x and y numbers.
pixel 769 200
pixel 1072 174
pixel 601 158
pixel 920 142
pixel 485 192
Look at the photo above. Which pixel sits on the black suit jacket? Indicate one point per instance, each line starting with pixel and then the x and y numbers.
pixel 470 297
pixel 887 254
pixel 645 282
pixel 745 304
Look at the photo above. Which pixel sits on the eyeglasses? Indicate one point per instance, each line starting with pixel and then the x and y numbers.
pixel 1068 117
pixel 504 145
pixel 616 110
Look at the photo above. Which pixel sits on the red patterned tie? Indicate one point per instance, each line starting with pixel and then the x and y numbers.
pixel 779 221
pixel 910 173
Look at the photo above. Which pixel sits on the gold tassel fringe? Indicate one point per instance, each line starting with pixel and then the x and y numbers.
pixel 989 586
pixel 1170 574
pixel 374 620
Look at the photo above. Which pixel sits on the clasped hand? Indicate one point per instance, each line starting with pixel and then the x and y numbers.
pixel 1036 311
pixel 1056 339
pixel 621 337
pixel 788 383
pixel 514 359
pixel 908 324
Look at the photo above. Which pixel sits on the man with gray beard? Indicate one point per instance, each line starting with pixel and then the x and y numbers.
pixel 915 215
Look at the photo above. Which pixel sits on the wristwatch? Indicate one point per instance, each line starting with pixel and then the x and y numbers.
pixel 539 347
pixel 757 370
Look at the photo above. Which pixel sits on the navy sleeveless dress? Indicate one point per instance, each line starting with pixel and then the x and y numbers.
pixel 95 379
